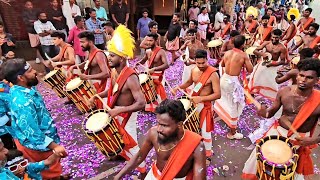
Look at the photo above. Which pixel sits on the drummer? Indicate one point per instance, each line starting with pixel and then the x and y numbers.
pixel 305 22
pixel 301 109
pixel 263 80
pixel 293 72
pixel 206 89
pixel 66 56
pixel 228 45
pixel 292 30
pixel 126 97
pixel 263 31
pixel 250 25
pixel 95 68
pixel 226 27
pixel 310 40
pixel 156 65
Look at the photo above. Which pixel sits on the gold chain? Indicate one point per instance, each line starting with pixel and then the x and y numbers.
pixel 165 150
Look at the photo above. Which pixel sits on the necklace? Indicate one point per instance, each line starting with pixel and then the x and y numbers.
pixel 294 110
pixel 165 150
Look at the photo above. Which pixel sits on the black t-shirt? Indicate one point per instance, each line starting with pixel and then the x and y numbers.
pixel 56 13
pixel 4 47
pixel 120 13
pixel 173 31
pixel 29 15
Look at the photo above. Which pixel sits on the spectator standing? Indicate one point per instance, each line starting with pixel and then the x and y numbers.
pixel 143 28
pixel 218 18
pixel 203 21
pixel 7 42
pixel 172 36
pixel 108 30
pixel 95 25
pixel 120 13
pixel 102 14
pixel 70 11
pixel 56 17
pixel 44 28
pixel 261 10
pixel 29 16
pixel 194 11
pixel 207 4
pixel 75 40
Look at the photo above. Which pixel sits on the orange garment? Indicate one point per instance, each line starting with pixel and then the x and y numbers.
pixel 306 25
pixel 226 29
pixel 252 26
pixel 206 112
pixel 173 45
pixel 63 50
pixel 314 42
pixel 292 35
pixel 177 159
pixel 271 20
pixel 305 164
pixel 266 34
pixel 100 86
pixel 55 170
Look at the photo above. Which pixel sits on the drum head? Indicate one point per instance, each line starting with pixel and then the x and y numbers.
pixel 186 103
pixel 297 38
pixel 247 36
pixel 215 43
pixel 143 78
pixel 276 151
pixel 250 50
pixel 74 83
pixel 51 73
pixel 97 121
pixel 295 60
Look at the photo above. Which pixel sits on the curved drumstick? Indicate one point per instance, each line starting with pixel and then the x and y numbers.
pixel 251 99
pixel 104 104
pixel 165 80
pixel 287 123
pixel 191 114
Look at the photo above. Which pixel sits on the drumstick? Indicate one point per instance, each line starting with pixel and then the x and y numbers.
pixel 191 114
pixel 78 69
pixel 104 104
pixel 254 101
pixel 287 123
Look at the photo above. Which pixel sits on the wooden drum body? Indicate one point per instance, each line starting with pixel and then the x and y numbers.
pixel 148 87
pixel 104 132
pixel 80 91
pixel 215 48
pixel 193 122
pixel 56 81
pixel 277 158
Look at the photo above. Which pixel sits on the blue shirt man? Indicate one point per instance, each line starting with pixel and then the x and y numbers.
pixel 100 11
pixel 142 26
pixel 4 107
pixel 95 25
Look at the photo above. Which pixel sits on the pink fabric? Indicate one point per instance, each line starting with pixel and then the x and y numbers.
pixel 73 37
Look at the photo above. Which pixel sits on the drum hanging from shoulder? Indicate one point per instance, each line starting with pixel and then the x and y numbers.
pixel 148 87
pixel 215 48
pixel 80 91
pixel 277 158
pixel 193 122
pixel 104 132
pixel 56 81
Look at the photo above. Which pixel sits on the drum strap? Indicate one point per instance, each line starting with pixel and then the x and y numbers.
pixel 266 33
pixel 307 24
pixel 203 79
pixel 271 20
pixel 153 55
pixel 90 59
pixel 64 49
pixel 226 29
pixel 177 159
pixel 315 42
pixel 252 25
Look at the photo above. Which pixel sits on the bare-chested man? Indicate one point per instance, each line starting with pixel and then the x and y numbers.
pixel 206 89
pixel 229 107
pixel 95 68
pixel 293 72
pixel 310 40
pixel 263 32
pixel 190 46
pixel 262 81
pixel 250 25
pixel 301 110
pixel 156 65
pixel 291 31
pixel 226 27
pixel 305 21
pixel 125 97
pixel 66 56
pixel 228 45
pixel 180 153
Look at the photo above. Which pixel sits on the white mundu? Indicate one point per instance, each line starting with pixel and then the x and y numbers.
pixel 98 121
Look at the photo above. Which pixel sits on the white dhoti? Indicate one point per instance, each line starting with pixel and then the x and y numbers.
pixel 229 107
pixel 262 81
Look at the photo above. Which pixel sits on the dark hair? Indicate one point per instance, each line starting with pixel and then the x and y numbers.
pixel 59 34
pixel 77 19
pixel 277 32
pixel 91 10
pixel 13 153
pixel 145 10
pixel 200 53
pixel 308 9
pixel 177 14
pixel 219 8
pixel 12 68
pixel 194 21
pixel 202 8
pixel 309 64
pixel 315 25
pixel 108 23
pixel 87 34
pixel 192 31
pixel 228 16
pixel 174 108
pixel 40 12
pixel 265 17
pixel 270 8
pixel 152 23
pixel 306 52
pixel 153 35
pixel 1 23
pixel 234 33
pixel 292 17
pixel 238 41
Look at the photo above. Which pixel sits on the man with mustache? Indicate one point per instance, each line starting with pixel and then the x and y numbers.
pixel 310 40
pixel 95 68
pixel 180 153
pixel 301 109
pixel 34 129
